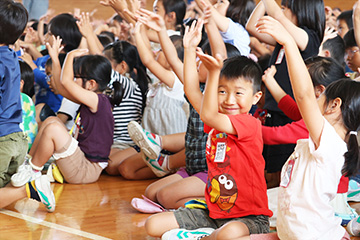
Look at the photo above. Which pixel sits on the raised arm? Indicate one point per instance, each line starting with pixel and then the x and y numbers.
pixel 64 81
pixel 191 39
pixel 356 21
pixel 217 44
pixel 221 21
pixel 93 43
pixel 156 23
pixel 257 13
pixel 300 36
pixel 147 58
pixel 299 76
pixel 271 84
pixel 119 6
pixel 209 112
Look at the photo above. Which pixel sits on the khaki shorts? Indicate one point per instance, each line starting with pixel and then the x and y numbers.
pixel 74 166
pixel 199 218
pixel 13 148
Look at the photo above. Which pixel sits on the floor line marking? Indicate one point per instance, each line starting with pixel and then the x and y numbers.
pixel 53 225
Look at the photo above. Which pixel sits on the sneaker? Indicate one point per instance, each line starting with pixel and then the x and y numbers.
pixel 180 233
pixel 40 190
pixel 157 165
pixel 354 191
pixel 353 227
pixel 148 142
pixel 24 175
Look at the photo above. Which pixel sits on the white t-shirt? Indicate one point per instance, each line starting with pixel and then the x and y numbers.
pixel 309 181
pixel 237 35
pixel 69 108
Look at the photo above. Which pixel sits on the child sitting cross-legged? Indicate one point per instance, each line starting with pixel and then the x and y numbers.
pixel 235 192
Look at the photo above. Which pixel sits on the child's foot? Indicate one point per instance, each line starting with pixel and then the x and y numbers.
pixel 149 143
pixel 25 174
pixel 186 234
pixel 40 190
pixel 159 165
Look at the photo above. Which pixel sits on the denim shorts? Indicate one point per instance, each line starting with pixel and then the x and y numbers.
pixel 199 218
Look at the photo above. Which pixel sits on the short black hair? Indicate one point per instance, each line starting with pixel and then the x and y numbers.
pixel 241 66
pixel 349 39
pixel 347 17
pixel 13 20
pixel 64 25
pixel 336 47
pixel 27 75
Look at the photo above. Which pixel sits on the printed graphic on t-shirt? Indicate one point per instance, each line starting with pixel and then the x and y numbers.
pixel 222 187
pixel 223 191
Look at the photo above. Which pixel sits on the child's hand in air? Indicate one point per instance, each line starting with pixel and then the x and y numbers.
pixel 84 24
pixel 212 64
pixel 192 36
pixel 269 74
pixel 55 49
pixel 274 28
pixel 150 19
pixel 78 52
pixel 117 5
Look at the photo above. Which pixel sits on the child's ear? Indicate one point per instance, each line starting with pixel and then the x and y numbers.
pixel 257 97
pixel 91 85
pixel 334 106
pixel 319 90
pixel 171 17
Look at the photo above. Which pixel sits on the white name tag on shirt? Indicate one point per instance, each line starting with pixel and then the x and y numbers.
pixel 220 152
pixel 280 56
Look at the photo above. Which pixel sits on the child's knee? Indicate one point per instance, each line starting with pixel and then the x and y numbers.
pixel 151 226
pixel 165 198
pixel 150 192
pixel 127 170
pixel 232 230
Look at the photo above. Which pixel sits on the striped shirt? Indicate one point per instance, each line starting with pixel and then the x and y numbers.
pixel 130 108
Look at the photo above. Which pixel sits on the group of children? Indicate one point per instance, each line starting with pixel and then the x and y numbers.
pixel 176 99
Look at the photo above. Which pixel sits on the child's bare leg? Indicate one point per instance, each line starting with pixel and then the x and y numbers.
pixel 152 190
pixel 134 167
pixel 48 121
pixel 173 142
pixel 231 230
pixel 11 194
pixel 177 160
pixel 116 157
pixel 53 137
pixel 175 195
pixel 156 225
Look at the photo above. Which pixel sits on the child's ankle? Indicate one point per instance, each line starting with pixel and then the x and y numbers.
pixel 34 167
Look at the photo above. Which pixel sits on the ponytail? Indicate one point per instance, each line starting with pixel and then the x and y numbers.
pixel 117 95
pixel 349 93
pixel 142 80
pixel 352 156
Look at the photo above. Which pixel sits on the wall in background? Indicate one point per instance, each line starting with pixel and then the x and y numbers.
pixel 61 6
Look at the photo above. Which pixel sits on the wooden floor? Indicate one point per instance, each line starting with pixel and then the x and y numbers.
pixel 98 211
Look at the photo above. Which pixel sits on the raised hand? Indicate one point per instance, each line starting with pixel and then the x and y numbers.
pixel 269 74
pixel 54 49
pixel 84 24
pixel 274 28
pixel 150 19
pixel 192 36
pixel 211 63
